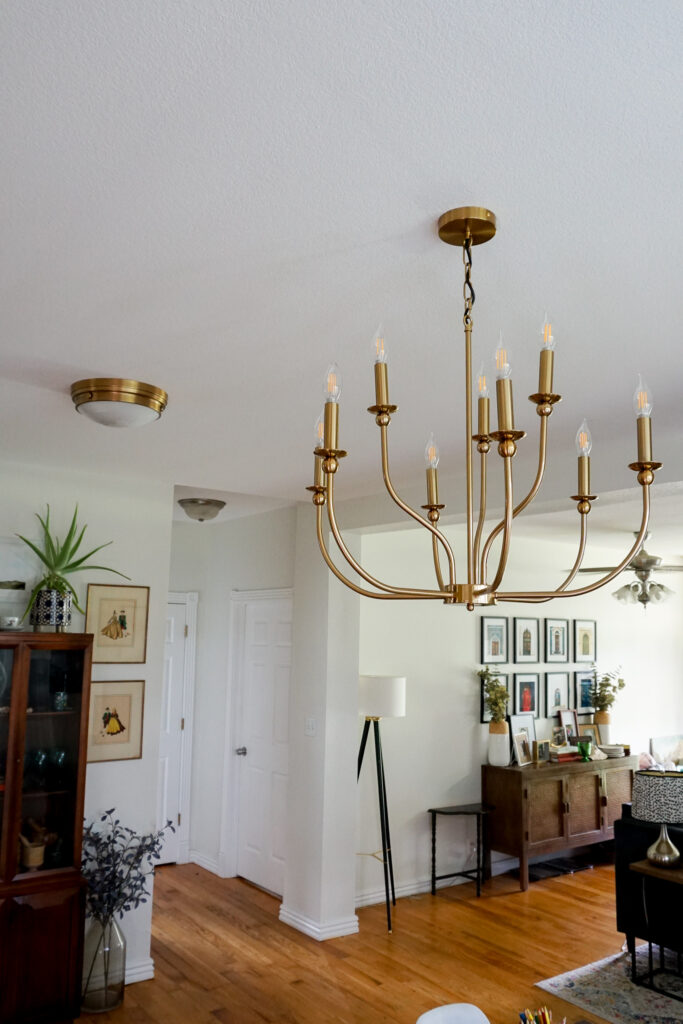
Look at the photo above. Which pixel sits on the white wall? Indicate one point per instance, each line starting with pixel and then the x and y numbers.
pixel 433 756
pixel 137 518
pixel 253 553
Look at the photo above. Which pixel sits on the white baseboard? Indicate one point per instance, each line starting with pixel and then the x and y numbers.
pixel 139 970
pixel 195 857
pixel 316 930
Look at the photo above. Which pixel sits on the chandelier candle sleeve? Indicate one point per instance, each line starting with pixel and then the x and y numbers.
pixel 483 403
pixel 506 416
pixel 432 461
pixel 332 392
pixel 381 373
pixel 642 403
pixel 584 443
pixel 545 373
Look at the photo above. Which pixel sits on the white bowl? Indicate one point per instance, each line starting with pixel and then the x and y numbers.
pixel 612 750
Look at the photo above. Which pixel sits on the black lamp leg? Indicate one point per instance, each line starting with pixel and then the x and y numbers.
pixel 383 820
pixel 383 800
pixel 363 741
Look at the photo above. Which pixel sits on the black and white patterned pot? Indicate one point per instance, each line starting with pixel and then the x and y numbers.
pixel 51 612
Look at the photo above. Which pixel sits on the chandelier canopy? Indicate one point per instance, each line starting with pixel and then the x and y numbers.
pixel 465 227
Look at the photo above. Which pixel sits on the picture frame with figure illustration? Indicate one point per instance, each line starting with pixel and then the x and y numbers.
pixel 117 618
pixel 115 720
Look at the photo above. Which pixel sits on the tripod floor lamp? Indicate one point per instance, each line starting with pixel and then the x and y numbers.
pixel 381 697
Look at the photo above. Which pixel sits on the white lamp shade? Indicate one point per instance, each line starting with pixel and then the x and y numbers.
pixel 382 696
pixel 658 797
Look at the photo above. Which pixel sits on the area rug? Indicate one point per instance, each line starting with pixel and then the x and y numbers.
pixel 605 989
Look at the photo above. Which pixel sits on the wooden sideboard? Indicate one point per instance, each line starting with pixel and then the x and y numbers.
pixel 546 808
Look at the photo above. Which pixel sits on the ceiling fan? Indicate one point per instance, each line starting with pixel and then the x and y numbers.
pixel 644 589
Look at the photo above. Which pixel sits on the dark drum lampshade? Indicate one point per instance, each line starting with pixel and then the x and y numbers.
pixel 658 797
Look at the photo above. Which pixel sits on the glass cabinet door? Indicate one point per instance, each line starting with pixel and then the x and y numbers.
pixel 50 765
pixel 6 665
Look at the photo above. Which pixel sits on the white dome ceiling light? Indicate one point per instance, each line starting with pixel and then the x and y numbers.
pixel 201 509
pixel 118 403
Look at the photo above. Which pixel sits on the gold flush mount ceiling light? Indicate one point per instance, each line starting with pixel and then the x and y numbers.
pixel 476 584
pixel 118 403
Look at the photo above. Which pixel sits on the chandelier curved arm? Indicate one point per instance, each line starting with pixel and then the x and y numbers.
pixel 579 592
pixel 507 524
pixel 482 513
pixel 353 586
pixel 409 592
pixel 542 447
pixel 436 533
pixel 575 568
pixel 437 563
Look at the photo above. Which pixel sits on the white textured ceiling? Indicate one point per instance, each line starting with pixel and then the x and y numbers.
pixel 220 197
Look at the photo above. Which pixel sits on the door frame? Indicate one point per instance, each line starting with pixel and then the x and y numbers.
pixel 190 600
pixel 239 599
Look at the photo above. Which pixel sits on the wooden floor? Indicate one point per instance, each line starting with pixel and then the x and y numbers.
pixel 222 956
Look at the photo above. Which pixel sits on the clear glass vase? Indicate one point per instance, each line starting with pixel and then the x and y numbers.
pixel 104 966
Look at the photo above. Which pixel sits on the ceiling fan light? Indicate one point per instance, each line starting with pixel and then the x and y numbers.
pixel 658 592
pixel 201 509
pixel 116 402
pixel 627 594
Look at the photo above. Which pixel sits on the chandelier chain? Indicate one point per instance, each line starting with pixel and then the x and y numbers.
pixel 467 289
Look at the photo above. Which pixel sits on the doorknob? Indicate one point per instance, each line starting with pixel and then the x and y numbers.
pixel 241 751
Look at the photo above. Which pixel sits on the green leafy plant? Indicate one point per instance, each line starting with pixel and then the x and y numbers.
pixel 59 559
pixel 496 695
pixel 604 688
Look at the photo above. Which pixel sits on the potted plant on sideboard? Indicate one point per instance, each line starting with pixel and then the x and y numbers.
pixel 496 699
pixel 603 693
pixel 50 601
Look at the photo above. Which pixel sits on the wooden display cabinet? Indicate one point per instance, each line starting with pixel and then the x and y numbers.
pixel 545 808
pixel 44 700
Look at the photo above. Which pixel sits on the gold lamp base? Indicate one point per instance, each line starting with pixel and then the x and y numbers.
pixel 473 222
pixel 663 853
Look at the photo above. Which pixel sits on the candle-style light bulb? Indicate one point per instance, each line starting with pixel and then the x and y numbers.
pixel 642 404
pixel 547 337
pixel 482 402
pixel 503 368
pixel 379 353
pixel 320 430
pixel 642 398
pixel 482 385
pixel 584 441
pixel 545 369
pixel 431 453
pixel 432 461
pixel 333 383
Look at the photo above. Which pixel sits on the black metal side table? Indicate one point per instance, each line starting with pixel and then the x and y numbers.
pixel 473 874
pixel 653 909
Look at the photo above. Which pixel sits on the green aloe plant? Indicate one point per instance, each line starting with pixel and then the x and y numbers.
pixel 60 559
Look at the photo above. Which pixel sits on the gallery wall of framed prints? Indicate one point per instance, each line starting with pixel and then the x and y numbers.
pixel 559 653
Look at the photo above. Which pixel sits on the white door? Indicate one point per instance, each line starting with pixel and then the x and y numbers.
pixel 172 730
pixel 262 747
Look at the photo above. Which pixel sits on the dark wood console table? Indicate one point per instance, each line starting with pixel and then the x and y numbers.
pixel 546 808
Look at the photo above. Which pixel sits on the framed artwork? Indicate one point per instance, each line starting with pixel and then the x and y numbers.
pixel 494 639
pixel 115 720
pixel 541 751
pixel 117 618
pixel 522 748
pixel 526 693
pixel 523 724
pixel 582 685
pixel 560 737
pixel 504 678
pixel 569 720
pixel 557 640
pixel 526 640
pixel 590 731
pixel 556 692
pixel 585 640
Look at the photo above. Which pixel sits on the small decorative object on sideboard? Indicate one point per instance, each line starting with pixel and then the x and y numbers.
pixel 602 695
pixel 116 863
pixel 495 698
pixel 658 797
pixel 51 598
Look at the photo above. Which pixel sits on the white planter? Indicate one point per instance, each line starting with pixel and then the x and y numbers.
pixel 499 746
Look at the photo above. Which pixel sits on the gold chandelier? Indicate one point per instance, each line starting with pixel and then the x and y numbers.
pixel 465 227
